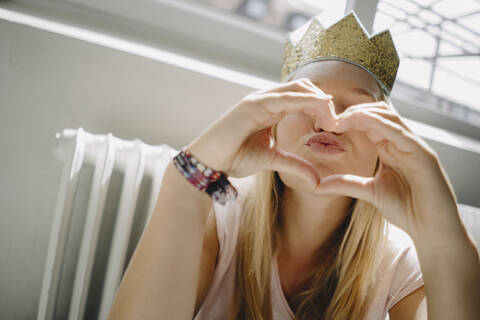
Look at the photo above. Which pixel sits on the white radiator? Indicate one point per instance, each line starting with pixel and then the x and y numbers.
pixel 78 149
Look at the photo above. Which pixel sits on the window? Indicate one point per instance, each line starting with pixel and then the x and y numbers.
pixel 438 42
pixel 439 46
pixel 285 15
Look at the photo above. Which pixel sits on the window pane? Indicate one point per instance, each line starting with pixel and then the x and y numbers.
pixel 457 79
pixel 452 9
pixel 472 21
pixel 420 68
pixel 430 17
pixel 416 43
pixel 285 15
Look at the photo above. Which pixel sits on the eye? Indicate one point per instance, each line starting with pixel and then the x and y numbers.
pixel 358 101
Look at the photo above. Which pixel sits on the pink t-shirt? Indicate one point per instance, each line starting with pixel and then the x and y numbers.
pixel 400 269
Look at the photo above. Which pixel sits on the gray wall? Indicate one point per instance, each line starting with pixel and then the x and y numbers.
pixel 49 82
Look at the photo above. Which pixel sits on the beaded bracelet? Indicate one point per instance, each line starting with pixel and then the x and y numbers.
pixel 215 183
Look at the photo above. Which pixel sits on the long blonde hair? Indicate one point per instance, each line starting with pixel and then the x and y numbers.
pixel 336 289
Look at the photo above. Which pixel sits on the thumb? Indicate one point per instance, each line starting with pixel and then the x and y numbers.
pixel 348 185
pixel 291 163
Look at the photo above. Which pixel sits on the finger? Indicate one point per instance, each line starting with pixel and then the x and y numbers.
pixel 348 185
pixel 382 109
pixel 367 107
pixel 385 113
pixel 270 105
pixel 310 84
pixel 377 128
pixel 388 152
pixel 300 84
pixel 377 104
pixel 291 163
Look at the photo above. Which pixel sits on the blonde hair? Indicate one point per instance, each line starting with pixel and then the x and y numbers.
pixel 338 288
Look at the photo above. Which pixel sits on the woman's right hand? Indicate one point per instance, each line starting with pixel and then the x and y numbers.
pixel 239 144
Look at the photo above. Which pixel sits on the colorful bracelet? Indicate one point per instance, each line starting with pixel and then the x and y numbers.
pixel 213 182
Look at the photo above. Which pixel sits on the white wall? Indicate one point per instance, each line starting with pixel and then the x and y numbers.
pixel 49 82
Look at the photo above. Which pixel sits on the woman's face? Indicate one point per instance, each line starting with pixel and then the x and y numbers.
pixel 336 78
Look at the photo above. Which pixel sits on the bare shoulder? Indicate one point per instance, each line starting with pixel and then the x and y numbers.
pixel 208 261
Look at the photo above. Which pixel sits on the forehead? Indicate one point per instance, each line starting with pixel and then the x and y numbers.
pixel 338 75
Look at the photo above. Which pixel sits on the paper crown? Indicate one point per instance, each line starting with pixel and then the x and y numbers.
pixel 345 40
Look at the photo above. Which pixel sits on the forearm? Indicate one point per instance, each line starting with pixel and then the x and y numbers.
pixel 452 277
pixel 161 279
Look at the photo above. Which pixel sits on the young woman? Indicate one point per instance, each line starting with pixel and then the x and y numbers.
pixel 322 164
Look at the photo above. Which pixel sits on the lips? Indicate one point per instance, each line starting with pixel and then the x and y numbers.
pixel 327 139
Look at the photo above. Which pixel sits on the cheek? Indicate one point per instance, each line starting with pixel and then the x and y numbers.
pixel 291 128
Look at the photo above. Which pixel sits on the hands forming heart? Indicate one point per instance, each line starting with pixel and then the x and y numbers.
pixel 411 188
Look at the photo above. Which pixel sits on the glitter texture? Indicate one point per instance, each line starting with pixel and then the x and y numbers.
pixel 344 40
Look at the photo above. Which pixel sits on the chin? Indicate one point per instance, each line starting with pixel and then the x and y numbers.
pixel 294 182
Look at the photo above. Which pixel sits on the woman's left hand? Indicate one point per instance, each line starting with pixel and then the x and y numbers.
pixel 411 188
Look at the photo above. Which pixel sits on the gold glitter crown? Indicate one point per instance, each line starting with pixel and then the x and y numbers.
pixel 345 40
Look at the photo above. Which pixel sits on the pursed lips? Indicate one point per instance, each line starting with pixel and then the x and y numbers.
pixel 325 138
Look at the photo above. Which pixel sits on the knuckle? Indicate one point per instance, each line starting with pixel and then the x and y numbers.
pixel 253 101
pixel 266 98
pixel 307 83
pixel 304 80
pixel 251 98
pixel 300 85
pixel 269 99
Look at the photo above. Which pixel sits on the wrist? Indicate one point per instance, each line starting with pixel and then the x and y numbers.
pixel 460 257
pixel 178 184
pixel 204 178
pixel 444 243
pixel 205 153
pixel 444 231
